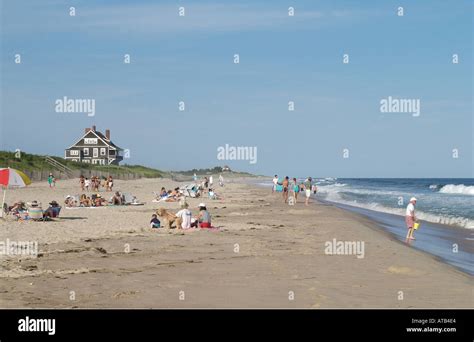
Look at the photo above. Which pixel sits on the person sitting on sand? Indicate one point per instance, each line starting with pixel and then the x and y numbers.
pixel 85 201
pixel 212 195
pixel 155 223
pixel 204 218
pixel 117 199
pixel 35 211
pixel 184 217
pixel 70 201
pixel 16 209
pixel 99 201
pixel 53 210
pixel 163 192
pixel 410 218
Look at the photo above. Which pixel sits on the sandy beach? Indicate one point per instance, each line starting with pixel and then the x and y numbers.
pixel 265 254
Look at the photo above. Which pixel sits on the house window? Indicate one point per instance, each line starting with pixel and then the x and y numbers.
pixel 74 153
pixel 111 152
pixel 95 152
pixel 90 141
pixel 102 151
pixel 86 151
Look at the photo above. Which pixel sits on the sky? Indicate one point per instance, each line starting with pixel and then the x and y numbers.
pixel 336 128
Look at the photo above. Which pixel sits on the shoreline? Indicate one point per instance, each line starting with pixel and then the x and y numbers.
pixel 436 235
pixel 281 250
pixel 385 222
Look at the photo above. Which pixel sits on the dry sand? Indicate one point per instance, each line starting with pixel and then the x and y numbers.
pixel 280 261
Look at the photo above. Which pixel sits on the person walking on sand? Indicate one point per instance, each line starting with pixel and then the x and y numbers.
pixel 51 180
pixel 296 189
pixel 410 218
pixel 211 181
pixel 221 180
pixel 286 185
pixel 275 183
pixel 308 184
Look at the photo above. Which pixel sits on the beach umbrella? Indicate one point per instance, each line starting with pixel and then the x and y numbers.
pixel 14 179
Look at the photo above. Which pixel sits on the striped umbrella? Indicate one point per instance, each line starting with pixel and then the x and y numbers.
pixel 12 178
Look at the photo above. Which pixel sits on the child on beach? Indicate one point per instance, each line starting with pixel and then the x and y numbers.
pixel 87 184
pixel 410 218
pixel 154 223
pixel 51 180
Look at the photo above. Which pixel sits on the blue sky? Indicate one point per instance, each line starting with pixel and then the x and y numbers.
pixel 282 59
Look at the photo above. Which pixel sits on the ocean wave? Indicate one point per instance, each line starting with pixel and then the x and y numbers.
pixel 442 219
pixel 434 186
pixel 459 189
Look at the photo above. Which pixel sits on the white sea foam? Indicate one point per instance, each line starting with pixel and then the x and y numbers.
pixel 442 219
pixel 460 189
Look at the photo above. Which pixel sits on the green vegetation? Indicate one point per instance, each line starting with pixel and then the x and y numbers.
pixel 33 162
pixel 213 171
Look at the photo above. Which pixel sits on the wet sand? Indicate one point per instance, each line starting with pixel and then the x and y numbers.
pixel 265 254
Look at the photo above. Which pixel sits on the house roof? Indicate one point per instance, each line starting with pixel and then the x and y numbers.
pixel 98 135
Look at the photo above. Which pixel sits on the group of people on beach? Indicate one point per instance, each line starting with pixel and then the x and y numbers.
pixel 291 189
pixel 96 200
pixel 94 183
pixel 185 219
pixel 33 210
pixel 208 182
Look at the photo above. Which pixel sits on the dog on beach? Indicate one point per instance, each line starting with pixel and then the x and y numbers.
pixel 169 217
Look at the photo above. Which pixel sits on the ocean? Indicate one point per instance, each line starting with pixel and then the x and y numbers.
pixel 445 207
pixel 445 200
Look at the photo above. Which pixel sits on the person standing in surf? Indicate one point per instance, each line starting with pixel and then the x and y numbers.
pixel 308 184
pixel 410 218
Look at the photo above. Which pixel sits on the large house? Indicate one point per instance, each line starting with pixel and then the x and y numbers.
pixel 94 148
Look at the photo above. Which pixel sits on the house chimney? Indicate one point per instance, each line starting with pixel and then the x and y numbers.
pixel 86 130
pixel 93 128
pixel 107 134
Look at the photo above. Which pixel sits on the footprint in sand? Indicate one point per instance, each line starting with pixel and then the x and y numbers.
pixel 124 294
pixel 402 270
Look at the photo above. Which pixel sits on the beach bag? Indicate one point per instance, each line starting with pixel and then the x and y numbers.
pixel 279 188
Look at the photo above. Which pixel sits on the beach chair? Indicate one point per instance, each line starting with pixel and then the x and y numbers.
pixel 190 190
pixel 129 199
